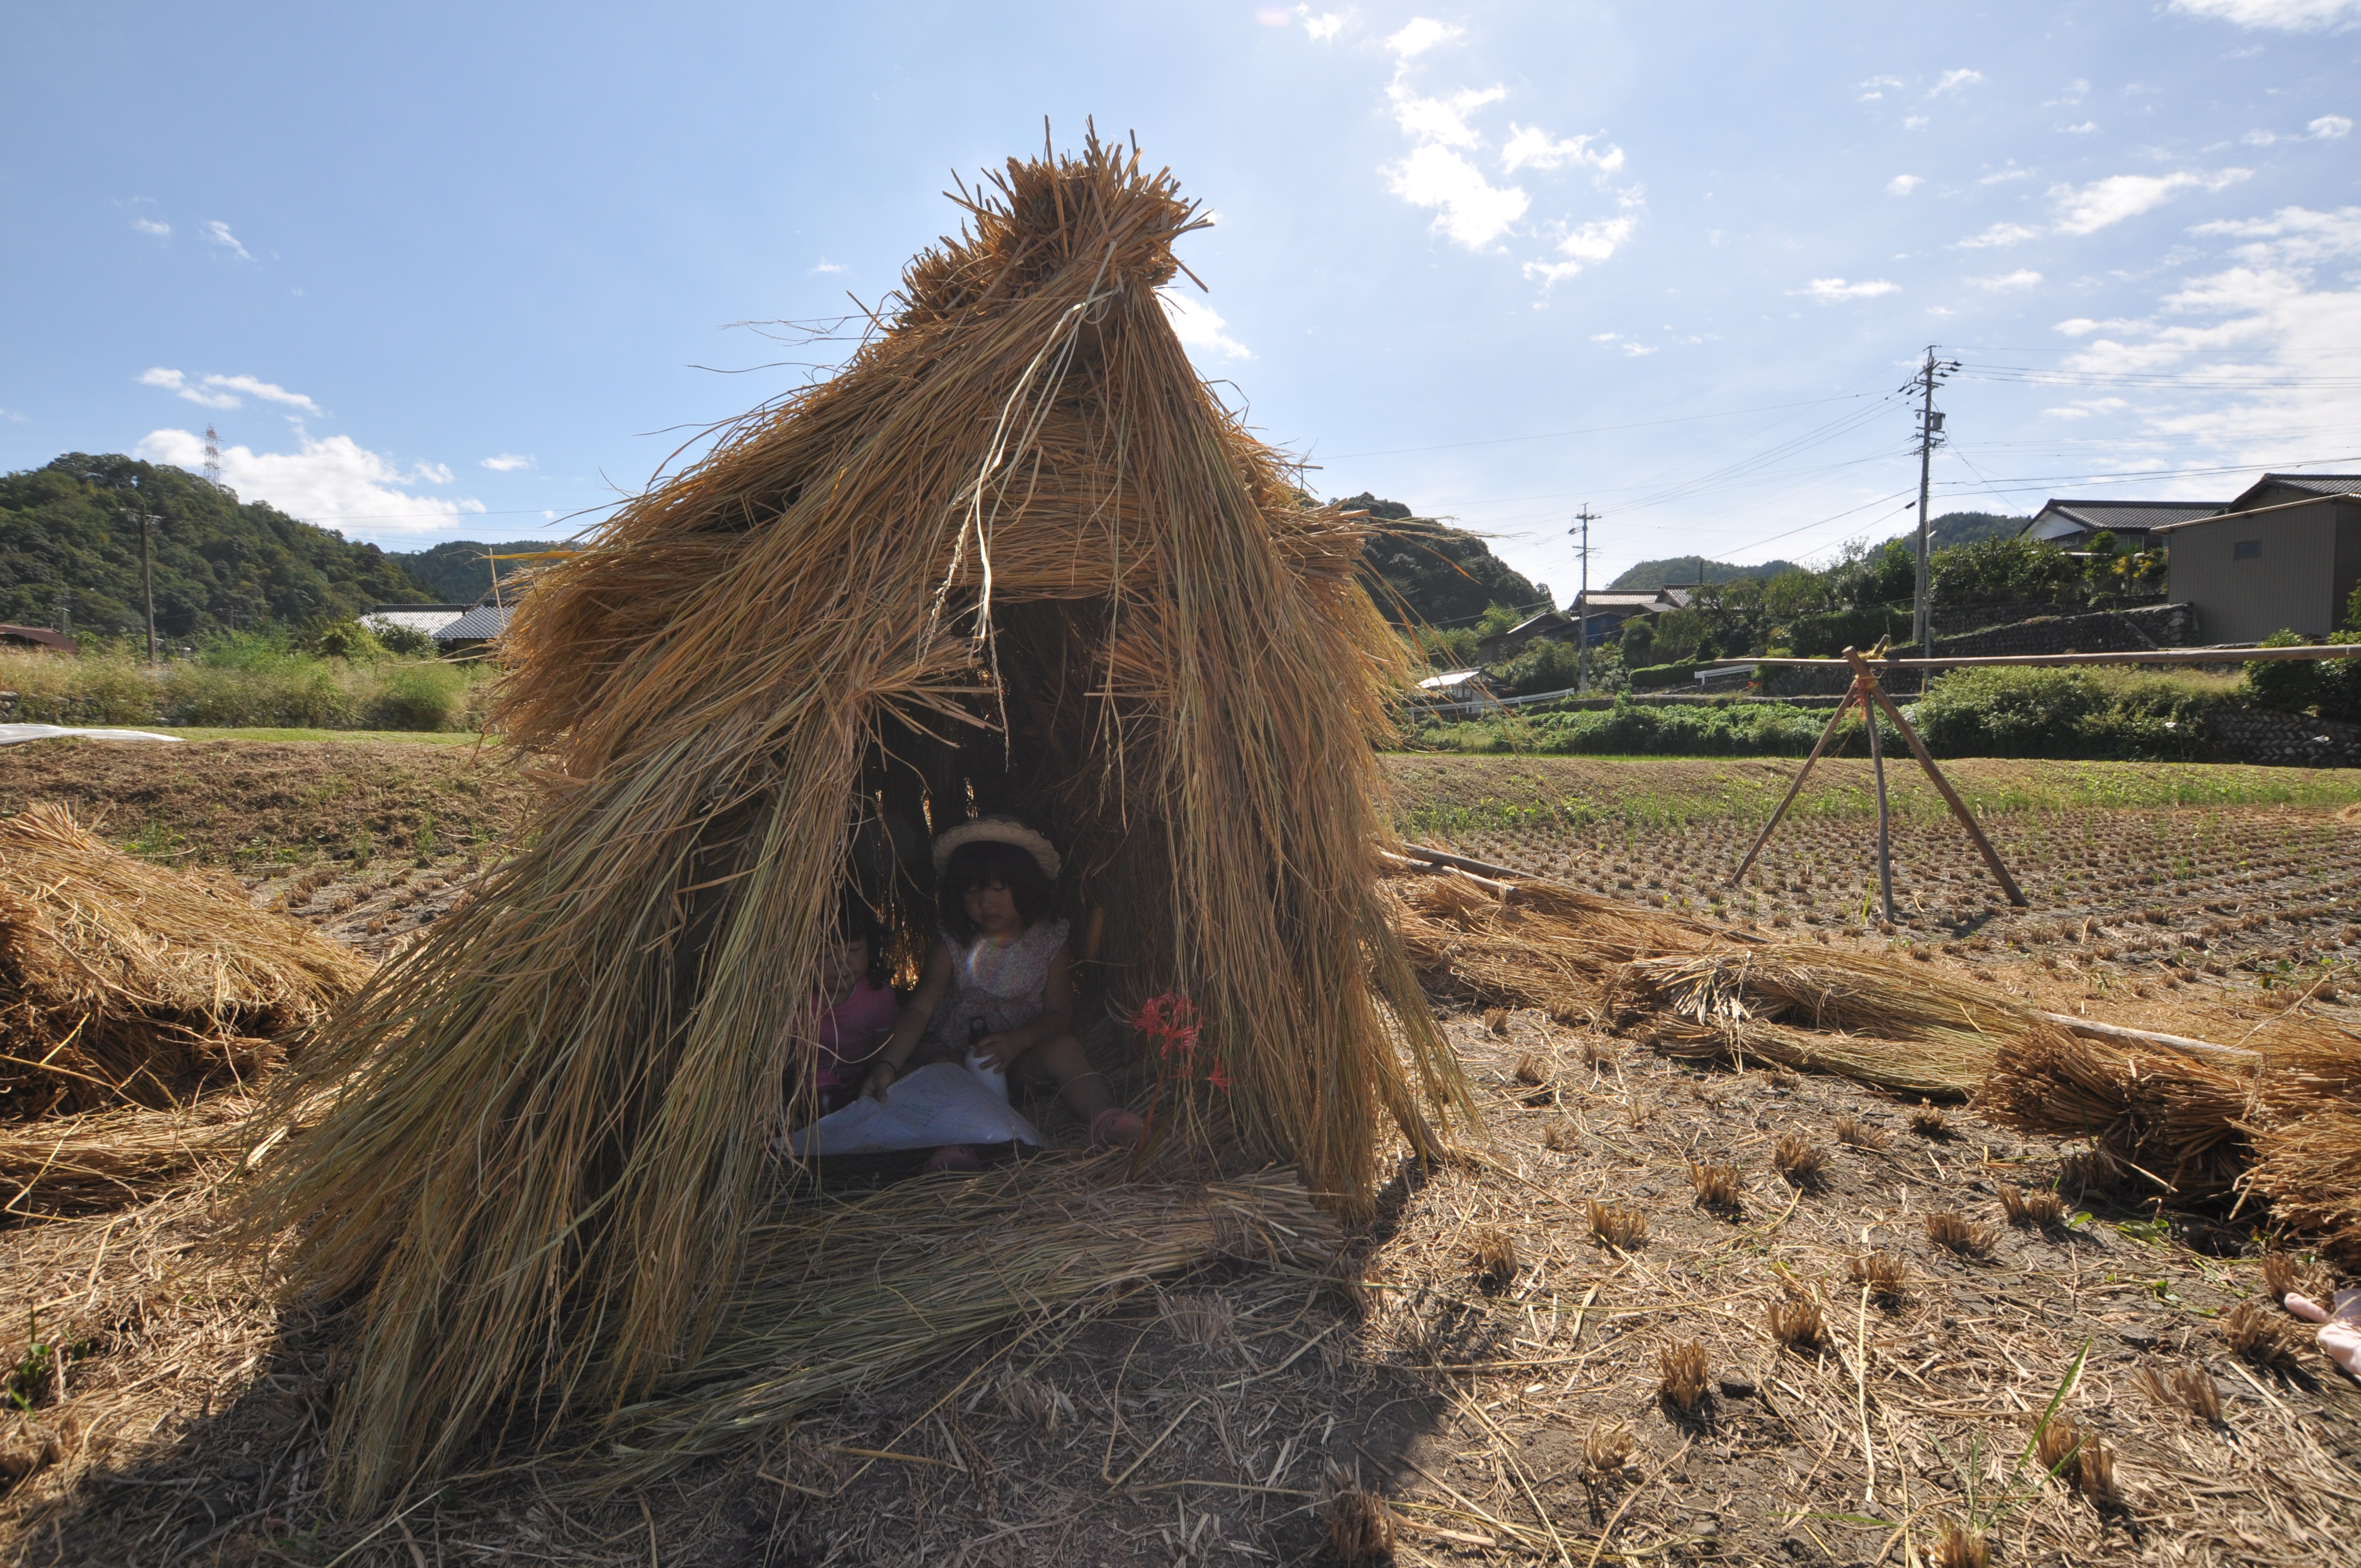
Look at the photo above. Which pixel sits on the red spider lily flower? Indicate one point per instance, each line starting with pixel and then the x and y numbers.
pixel 1172 1021
pixel 1220 1076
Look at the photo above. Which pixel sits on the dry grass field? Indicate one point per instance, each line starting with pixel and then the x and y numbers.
pixel 1666 1313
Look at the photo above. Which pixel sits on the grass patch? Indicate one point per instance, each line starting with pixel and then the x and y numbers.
pixel 418 737
pixel 1462 794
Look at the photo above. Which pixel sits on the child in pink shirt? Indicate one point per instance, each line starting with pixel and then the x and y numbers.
pixel 857 1007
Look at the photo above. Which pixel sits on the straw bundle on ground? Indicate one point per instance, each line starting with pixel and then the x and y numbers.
pixel 106 1160
pixel 1713 994
pixel 2307 1146
pixel 922 1273
pixel 1544 946
pixel 1014 556
pixel 2176 1119
pixel 123 983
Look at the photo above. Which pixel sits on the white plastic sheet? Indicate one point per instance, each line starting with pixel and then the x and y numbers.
pixel 12 733
pixel 939 1104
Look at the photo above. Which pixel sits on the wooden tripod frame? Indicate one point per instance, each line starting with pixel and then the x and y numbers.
pixel 1870 696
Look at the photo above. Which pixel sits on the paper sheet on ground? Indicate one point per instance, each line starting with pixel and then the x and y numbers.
pixel 12 733
pixel 943 1103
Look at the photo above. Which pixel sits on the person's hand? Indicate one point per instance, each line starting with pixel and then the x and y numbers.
pixel 997 1050
pixel 881 1078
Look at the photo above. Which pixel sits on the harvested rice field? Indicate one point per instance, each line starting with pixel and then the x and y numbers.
pixel 1670 1312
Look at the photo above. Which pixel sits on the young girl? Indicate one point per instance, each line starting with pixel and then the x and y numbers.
pixel 999 986
pixel 858 1005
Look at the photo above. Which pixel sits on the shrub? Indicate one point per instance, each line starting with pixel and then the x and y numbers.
pixel 419 697
pixel 402 642
pixel 2291 686
pixel 345 639
pixel 2126 715
pixel 96 688
pixel 1657 677
pixel 278 689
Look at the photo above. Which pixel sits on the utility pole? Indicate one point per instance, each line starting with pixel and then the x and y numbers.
pixel 146 574
pixel 1582 520
pixel 1930 436
pixel 64 605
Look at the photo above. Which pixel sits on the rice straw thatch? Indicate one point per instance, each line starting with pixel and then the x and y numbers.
pixel 126 983
pixel 1014 554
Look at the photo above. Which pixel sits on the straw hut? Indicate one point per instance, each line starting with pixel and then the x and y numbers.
pixel 1014 555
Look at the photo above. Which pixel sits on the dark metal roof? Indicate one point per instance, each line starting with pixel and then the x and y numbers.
pixel 2121 516
pixel 480 624
pixel 2303 484
pixel 40 637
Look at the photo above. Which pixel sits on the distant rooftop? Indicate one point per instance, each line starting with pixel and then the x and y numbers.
pixel 2302 484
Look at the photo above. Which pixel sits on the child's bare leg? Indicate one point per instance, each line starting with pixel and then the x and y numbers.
pixel 1082 1086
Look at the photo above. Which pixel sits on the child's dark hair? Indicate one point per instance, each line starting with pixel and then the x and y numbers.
pixel 856 922
pixel 981 863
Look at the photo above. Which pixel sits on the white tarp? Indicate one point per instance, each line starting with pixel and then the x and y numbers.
pixel 942 1103
pixel 12 733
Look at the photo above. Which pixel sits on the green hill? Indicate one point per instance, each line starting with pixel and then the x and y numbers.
pixel 1951 528
pixel 219 563
pixel 1437 575
pixel 1685 569
pixel 456 571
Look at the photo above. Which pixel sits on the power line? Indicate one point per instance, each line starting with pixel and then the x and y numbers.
pixel 1592 430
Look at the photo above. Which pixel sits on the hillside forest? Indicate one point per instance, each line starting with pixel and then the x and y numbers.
pixel 219 563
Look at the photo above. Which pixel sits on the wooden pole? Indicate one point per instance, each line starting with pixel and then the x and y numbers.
pixel 1943 787
pixel 1795 788
pixel 1884 818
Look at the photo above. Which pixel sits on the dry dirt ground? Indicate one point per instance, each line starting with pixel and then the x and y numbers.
pixel 1480 1358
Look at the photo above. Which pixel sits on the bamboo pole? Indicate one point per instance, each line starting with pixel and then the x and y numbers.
pixel 2152 656
pixel 1796 787
pixel 1884 817
pixel 1867 678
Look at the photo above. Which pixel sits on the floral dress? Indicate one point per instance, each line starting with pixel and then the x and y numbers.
pixel 1002 985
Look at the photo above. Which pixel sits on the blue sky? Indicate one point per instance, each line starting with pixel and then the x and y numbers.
pixel 442 271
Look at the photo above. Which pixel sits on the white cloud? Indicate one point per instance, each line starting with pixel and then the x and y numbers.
pixel 1200 326
pixel 268 391
pixel 1529 146
pixel 1876 85
pixel 1831 291
pixel 1605 336
pixel 825 266
pixel 2023 278
pixel 506 463
pixel 333 481
pixel 1422 33
pixel 1599 239
pixel 1903 184
pixel 1441 120
pixel 1953 80
pixel 12 416
pixel 156 226
pixel 2281 16
pixel 2261 319
pixel 177 383
pixel 1916 123
pixel 2328 127
pixel 218 231
pixel 1474 211
pixel 1636 349
pixel 2086 408
pixel 2119 196
pixel 2004 176
pixel 432 473
pixel 2088 128
pixel 1999 234
pixel 2076 91
pixel 1322 27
